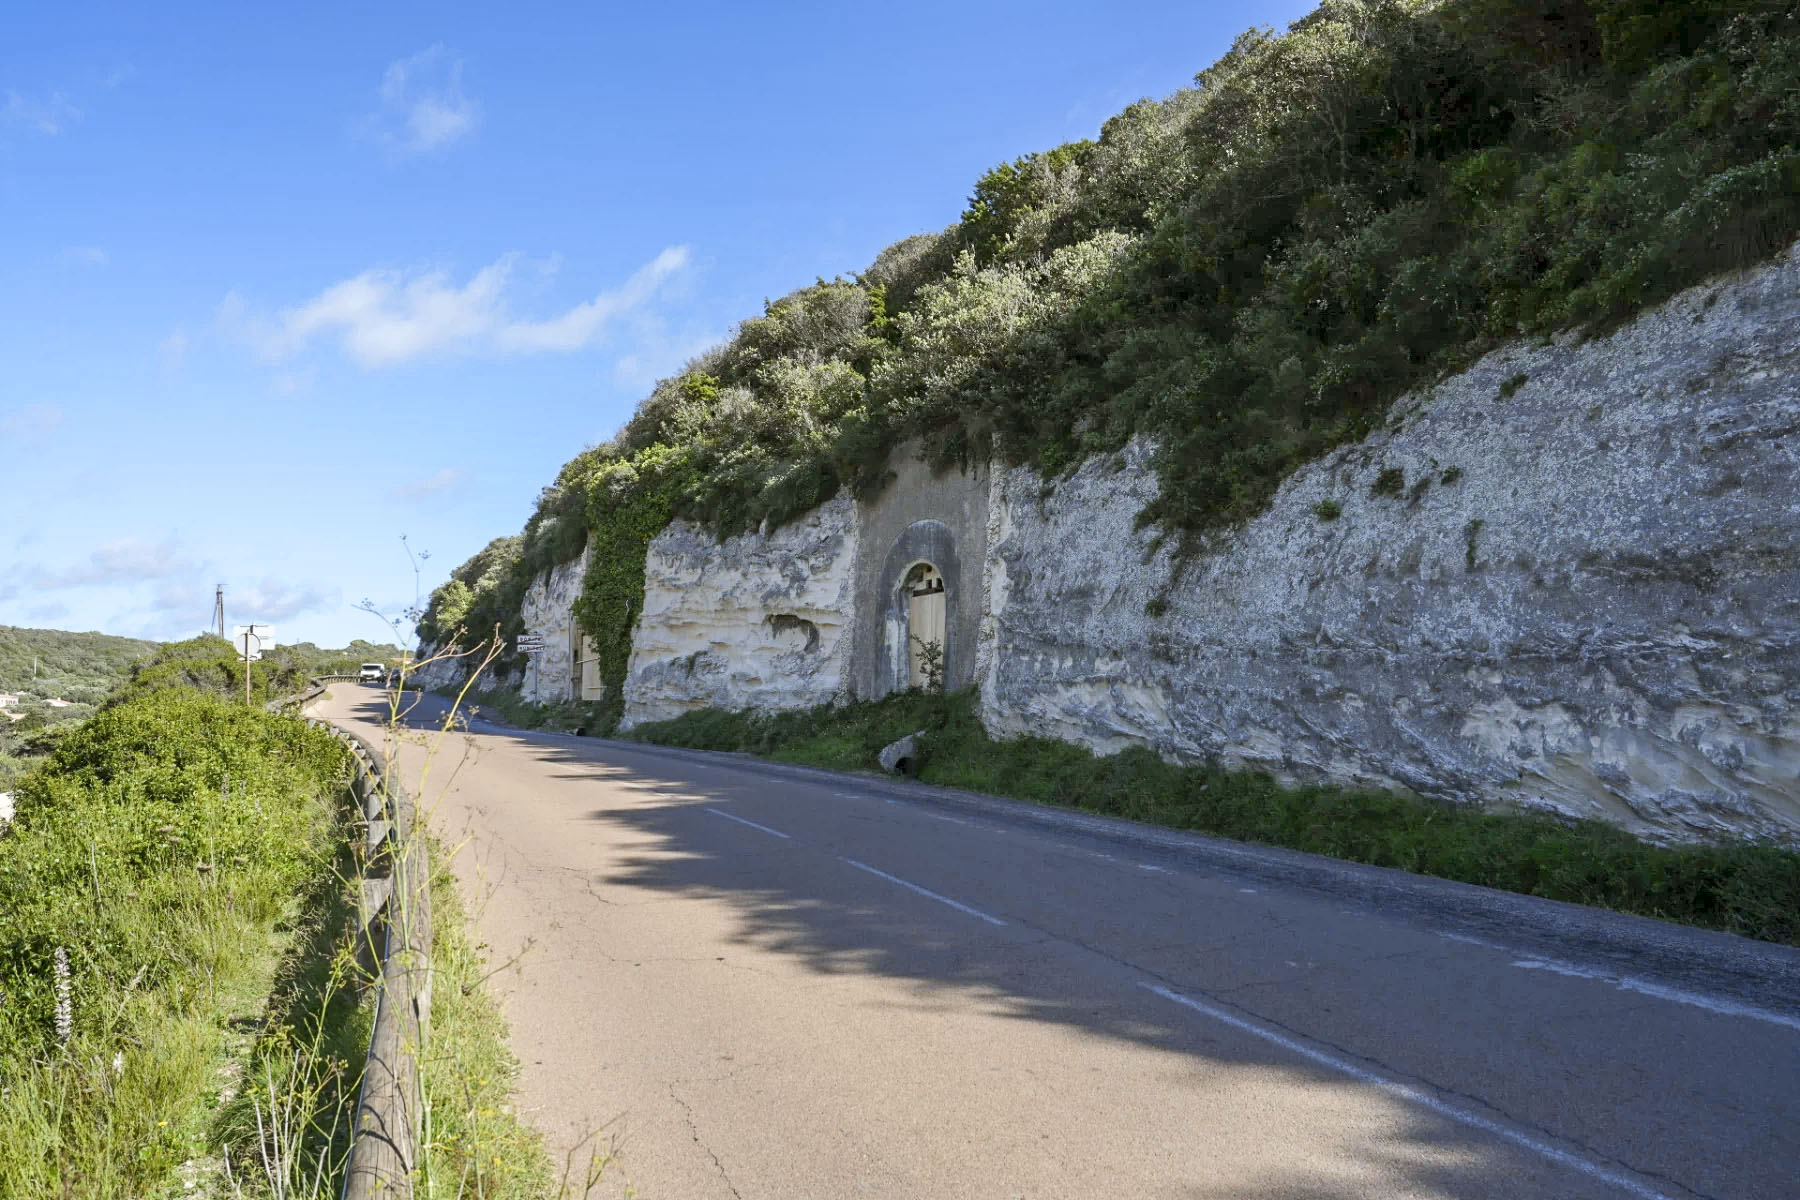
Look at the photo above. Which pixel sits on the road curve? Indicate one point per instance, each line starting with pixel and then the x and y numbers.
pixel 757 986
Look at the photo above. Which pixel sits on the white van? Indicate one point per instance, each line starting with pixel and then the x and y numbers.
pixel 371 673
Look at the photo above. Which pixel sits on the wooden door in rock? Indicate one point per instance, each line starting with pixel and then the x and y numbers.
pixel 925 612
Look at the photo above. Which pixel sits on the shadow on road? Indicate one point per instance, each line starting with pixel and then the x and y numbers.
pixel 834 924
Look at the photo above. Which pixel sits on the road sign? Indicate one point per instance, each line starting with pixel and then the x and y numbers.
pixel 529 642
pixel 252 640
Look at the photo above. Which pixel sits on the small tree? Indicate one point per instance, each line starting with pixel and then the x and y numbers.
pixel 931 663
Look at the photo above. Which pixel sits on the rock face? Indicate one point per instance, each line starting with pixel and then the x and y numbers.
pixel 436 669
pixel 549 611
pixel 755 621
pixel 1567 578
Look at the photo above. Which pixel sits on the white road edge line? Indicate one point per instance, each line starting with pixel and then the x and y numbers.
pixel 1632 983
pixel 926 892
pixel 752 824
pixel 1414 1095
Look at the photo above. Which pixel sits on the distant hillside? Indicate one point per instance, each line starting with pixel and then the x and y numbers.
pixel 38 666
pixel 81 667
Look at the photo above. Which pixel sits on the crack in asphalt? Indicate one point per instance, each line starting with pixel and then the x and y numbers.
pixel 687 1113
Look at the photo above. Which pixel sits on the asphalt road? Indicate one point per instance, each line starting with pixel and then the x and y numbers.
pixel 764 985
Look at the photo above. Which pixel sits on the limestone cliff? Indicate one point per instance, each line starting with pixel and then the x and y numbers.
pixel 1565 578
pixel 1568 577
pixel 755 621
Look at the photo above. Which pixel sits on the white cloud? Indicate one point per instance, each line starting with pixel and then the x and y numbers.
pixel 273 600
pixel 385 317
pixel 423 107
pixel 84 256
pixel 48 117
pixel 173 350
pixel 182 604
pixel 445 480
pixel 658 352
pixel 30 422
pixel 125 561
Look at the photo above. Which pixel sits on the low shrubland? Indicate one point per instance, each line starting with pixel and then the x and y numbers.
pixel 1749 889
pixel 185 996
pixel 145 886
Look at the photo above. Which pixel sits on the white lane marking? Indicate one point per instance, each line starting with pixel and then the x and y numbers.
pixel 1632 983
pixel 752 824
pixel 1644 987
pixel 942 817
pixel 1148 867
pixel 927 892
pixel 1395 1088
pixel 1248 891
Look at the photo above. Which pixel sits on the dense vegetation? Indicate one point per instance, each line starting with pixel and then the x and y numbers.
pixel 89 667
pixel 181 982
pixel 152 857
pixel 1250 271
pixel 1749 889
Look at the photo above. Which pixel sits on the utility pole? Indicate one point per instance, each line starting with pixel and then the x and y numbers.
pixel 219 608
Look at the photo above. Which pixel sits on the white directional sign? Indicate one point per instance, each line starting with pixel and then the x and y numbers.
pixel 530 642
pixel 253 640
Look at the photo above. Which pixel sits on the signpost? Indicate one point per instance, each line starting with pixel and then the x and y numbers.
pixel 251 641
pixel 532 644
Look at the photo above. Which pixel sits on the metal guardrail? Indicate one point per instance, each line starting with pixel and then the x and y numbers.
pixel 396 915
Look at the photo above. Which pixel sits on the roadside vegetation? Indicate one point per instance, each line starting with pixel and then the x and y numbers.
pixel 1249 271
pixel 1742 888
pixel 564 716
pixel 185 1001
pixel 146 883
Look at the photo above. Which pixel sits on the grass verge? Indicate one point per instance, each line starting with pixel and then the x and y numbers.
pixel 505 705
pixel 1743 888
pixel 475 1143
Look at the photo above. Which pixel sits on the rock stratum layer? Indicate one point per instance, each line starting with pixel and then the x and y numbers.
pixel 1580 592
pixel 755 621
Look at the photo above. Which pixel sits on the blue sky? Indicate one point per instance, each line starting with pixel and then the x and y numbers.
pixel 281 287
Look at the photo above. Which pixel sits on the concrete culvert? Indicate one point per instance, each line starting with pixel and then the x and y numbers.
pixel 902 757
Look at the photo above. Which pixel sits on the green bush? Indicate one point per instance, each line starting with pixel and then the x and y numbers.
pixel 157 848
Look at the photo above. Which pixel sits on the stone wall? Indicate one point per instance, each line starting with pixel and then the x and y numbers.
pixel 1584 597
pixel 761 620
pixel 919 517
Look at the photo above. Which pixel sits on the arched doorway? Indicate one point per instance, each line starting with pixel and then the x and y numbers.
pixel 926 608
